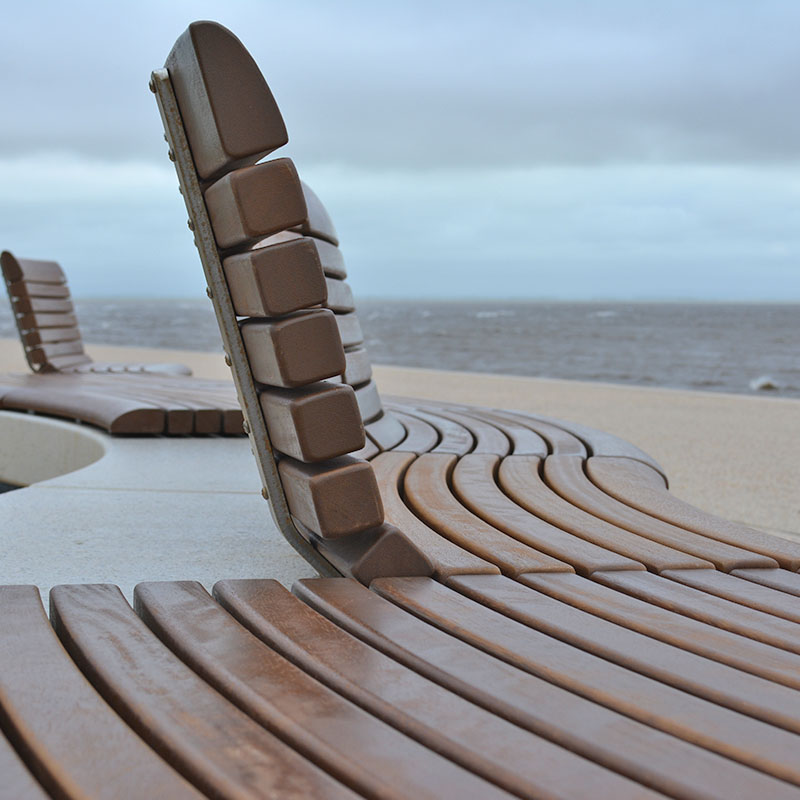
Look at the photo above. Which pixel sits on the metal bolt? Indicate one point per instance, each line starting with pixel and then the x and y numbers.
pixel 265 493
pixel 171 155
pixel 209 293
pixel 190 224
pixel 228 360
pixel 246 427
pixel 152 86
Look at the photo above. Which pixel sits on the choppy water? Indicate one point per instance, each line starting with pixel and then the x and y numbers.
pixel 711 347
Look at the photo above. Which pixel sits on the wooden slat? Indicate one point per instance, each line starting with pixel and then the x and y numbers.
pixel 273 281
pixel 446 557
pixel 779 579
pixel 420 437
pixel 253 202
pixel 386 431
pixel 228 111
pixel 638 486
pixel 428 495
pixel 706 608
pixel 214 744
pixel 679 768
pixel 38 336
pixel 474 485
pixel 488 438
pixel 752 742
pixel 673 628
pixel 340 296
pixel 317 222
pixel 746 593
pixel 369 402
pixel 27 321
pixel 722 685
pixel 453 437
pixel 17 780
pixel 46 305
pixel 349 329
pixel 330 256
pixel 362 752
pixel 296 350
pixel 334 498
pixel 72 741
pixel 30 269
pixel 558 440
pixel 465 733
pixel 36 289
pixel 358 370
pixel 520 479
pixel 313 423
pixel 44 352
pixel 523 440
pixel 565 475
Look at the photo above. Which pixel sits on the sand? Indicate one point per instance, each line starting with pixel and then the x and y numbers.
pixel 733 455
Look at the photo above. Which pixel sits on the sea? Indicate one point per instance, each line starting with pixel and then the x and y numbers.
pixel 717 347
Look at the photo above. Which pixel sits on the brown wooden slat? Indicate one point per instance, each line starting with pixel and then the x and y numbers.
pixel 565 475
pixel 215 745
pixel 228 111
pixel 27 321
pixel 29 269
pixel 558 440
pixel 428 495
pixel 523 440
pixel 369 402
pixel 36 289
pixel 46 305
pixel 728 733
pixel 746 593
pixel 420 437
pixel 253 202
pixel 680 768
pixel 362 752
pixel 72 741
pixel 673 628
pixel 38 336
pixel 313 423
pixel 703 677
pixel 334 498
pixel 349 329
pixel 706 608
pixel 488 438
pixel 386 431
pixel 296 350
pixel 453 438
pixel 358 370
pixel 443 721
pixel 340 296
pixel 519 478
pixel 317 222
pixel 330 256
pixel 474 485
pixel 114 414
pixel 638 486
pixel 43 353
pixel 273 281
pixel 17 781
pixel 779 579
pixel 446 557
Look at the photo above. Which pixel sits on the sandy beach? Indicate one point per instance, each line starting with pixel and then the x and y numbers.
pixel 732 455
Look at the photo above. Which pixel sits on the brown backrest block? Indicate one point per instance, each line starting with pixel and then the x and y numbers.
pixel 315 422
pixel 295 350
pixel 340 296
pixel 29 269
pixel 358 369
pixel 254 202
pixel 349 329
pixel 332 499
pixel 317 222
pixel 330 256
pixel 276 280
pixel 230 116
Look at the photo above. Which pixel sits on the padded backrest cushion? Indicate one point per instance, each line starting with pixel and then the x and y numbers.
pixel 230 116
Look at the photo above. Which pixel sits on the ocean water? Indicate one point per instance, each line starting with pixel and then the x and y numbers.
pixel 740 348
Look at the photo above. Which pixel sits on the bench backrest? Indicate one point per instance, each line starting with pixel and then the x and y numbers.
pixel 287 318
pixel 43 313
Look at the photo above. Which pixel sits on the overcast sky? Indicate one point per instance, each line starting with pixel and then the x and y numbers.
pixel 572 150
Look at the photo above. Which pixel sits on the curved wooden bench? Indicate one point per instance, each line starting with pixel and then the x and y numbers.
pixel 520 559
pixel 46 322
